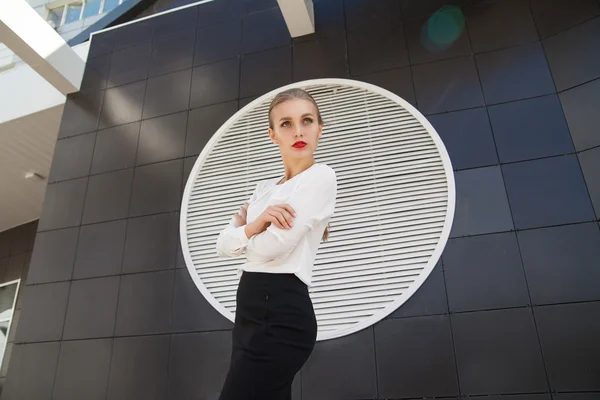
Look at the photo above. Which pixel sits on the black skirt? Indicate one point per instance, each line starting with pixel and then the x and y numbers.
pixel 274 333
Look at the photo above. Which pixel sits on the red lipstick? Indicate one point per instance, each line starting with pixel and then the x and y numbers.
pixel 299 144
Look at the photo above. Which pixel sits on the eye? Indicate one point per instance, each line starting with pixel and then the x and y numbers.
pixel 286 124
pixel 308 120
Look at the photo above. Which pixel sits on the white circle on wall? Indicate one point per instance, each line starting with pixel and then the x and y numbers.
pixel 393 214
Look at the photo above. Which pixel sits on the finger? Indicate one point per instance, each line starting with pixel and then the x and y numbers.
pixel 284 218
pixel 243 211
pixel 273 219
pixel 287 215
pixel 238 219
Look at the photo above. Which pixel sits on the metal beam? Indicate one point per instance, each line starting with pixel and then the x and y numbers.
pixel 31 38
pixel 299 16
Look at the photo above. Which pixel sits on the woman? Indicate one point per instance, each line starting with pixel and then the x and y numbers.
pixel 279 230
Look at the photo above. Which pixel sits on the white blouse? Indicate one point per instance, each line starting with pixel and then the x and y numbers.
pixel 312 195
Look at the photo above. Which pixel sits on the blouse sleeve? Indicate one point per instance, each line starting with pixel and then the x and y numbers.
pixel 313 200
pixel 232 240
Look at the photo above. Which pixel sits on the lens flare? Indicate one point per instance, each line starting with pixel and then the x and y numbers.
pixel 442 29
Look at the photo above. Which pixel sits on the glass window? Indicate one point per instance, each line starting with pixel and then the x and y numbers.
pixel 73 12
pixel 110 4
pixel 55 15
pixel 92 7
pixel 8 296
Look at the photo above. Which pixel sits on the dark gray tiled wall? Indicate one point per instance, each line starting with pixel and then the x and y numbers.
pixel 16 247
pixel 509 313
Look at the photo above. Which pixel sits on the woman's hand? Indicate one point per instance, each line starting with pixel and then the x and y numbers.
pixel 240 217
pixel 280 215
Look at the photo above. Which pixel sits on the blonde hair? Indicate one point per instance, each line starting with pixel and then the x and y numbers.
pixel 297 93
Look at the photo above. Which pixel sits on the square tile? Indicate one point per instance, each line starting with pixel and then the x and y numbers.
pixel 575 396
pixel 92 308
pixel 590 165
pixel 191 311
pixel 215 83
pixel 376 50
pixel 31 371
pixel 425 344
pixel 569 338
pixel 108 196
pixel 498 352
pixel 122 104
pixel 561 263
pixel 447 85
pixel 486 19
pixel 484 272
pixel 96 73
pixel 82 371
pixel 167 94
pixel 264 30
pixel 329 17
pixel 365 14
pixel 100 250
pixel 321 58
pixel 172 52
pixel 138 368
pixel 204 122
pixel 529 129
pixel 81 112
pixel 467 136
pixel 437 36
pixel 398 81
pixel 538 396
pixel 481 203
pixel 514 73
pixel 162 138
pixel 252 6
pixel 43 312
pixel 265 71
pixel 151 242
pixel 581 105
pixel 53 256
pixel 63 204
pixel 547 192
pixel 218 11
pixel 171 22
pixel 101 43
pixel 115 148
pixel 331 371
pixel 156 188
pixel 129 65
pixel 573 56
pixel 132 34
pixel 218 42
pixel 72 157
pixel 145 303
pixel 552 17
pixel 429 299
pixel 193 377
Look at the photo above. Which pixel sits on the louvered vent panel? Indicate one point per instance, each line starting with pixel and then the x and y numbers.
pixel 393 213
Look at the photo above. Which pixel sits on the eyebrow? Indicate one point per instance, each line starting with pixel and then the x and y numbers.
pixel 302 116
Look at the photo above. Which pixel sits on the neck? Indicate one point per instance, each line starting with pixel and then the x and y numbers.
pixel 292 170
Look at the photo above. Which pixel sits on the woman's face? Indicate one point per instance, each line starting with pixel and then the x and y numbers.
pixel 295 120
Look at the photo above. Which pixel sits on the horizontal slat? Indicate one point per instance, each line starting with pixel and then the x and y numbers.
pixel 391 206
